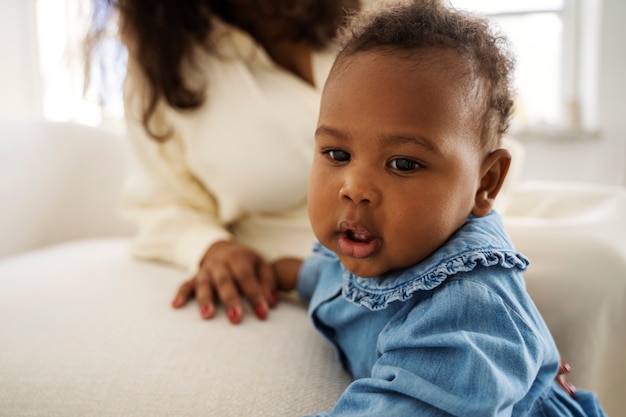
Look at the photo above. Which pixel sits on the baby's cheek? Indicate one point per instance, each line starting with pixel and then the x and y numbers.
pixel 319 217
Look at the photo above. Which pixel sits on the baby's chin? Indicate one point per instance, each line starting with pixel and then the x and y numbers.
pixel 364 267
pixel 375 266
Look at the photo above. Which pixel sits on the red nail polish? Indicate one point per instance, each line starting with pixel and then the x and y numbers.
pixel 273 297
pixel 566 367
pixel 572 389
pixel 260 311
pixel 233 315
pixel 206 311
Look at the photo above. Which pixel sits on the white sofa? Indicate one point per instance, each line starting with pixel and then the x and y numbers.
pixel 85 330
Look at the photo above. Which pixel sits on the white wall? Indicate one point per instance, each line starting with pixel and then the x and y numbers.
pixel 598 160
pixel 20 87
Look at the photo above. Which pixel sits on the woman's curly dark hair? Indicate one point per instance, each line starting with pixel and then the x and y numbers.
pixel 165 32
pixel 416 24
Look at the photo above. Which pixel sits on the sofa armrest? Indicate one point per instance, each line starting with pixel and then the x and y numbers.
pixel 574 235
pixel 58 181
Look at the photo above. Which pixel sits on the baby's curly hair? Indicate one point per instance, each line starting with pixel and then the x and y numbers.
pixel 416 24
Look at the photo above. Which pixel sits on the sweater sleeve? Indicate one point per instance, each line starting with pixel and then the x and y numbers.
pixel 175 214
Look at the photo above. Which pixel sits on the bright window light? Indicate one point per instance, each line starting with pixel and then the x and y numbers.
pixel 542 34
pixel 536 30
pixel 508 6
pixel 61 25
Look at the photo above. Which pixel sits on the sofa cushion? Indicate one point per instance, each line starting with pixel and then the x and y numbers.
pixel 87 331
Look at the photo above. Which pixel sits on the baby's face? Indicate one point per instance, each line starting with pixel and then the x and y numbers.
pixel 397 161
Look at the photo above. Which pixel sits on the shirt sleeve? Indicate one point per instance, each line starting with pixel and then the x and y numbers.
pixel 176 216
pixel 461 352
pixel 308 277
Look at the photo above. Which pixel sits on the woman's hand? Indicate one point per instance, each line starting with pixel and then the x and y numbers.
pixel 565 369
pixel 226 270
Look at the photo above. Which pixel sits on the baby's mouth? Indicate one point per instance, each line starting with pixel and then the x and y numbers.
pixel 357 241
pixel 358 236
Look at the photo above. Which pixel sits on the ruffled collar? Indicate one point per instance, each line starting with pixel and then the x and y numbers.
pixel 480 241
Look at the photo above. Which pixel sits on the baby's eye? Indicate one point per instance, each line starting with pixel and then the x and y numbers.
pixel 338 155
pixel 403 164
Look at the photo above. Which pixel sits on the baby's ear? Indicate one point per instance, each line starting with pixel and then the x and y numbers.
pixel 493 172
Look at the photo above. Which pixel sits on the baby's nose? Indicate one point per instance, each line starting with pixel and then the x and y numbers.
pixel 359 187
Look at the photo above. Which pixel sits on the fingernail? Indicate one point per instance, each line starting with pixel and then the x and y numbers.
pixel 571 389
pixel 178 301
pixel 234 315
pixel 260 311
pixel 566 367
pixel 206 311
pixel 273 297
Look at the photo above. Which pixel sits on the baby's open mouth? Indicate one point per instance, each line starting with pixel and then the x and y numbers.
pixel 356 241
pixel 358 236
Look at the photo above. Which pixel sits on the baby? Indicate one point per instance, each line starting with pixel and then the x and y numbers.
pixel 414 280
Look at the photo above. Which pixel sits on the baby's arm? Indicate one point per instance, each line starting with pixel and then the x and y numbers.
pixel 286 273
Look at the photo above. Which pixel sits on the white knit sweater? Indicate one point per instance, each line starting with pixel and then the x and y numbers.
pixel 237 167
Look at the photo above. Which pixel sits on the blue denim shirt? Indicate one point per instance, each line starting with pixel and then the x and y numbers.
pixel 456 335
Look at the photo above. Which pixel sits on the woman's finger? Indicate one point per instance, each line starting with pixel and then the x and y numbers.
pixel 224 285
pixel 185 292
pixel 268 283
pixel 248 281
pixel 204 294
pixel 565 369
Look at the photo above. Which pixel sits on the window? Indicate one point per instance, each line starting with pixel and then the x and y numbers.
pixel 61 26
pixel 555 42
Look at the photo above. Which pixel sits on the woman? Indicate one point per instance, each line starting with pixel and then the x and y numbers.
pixel 221 100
